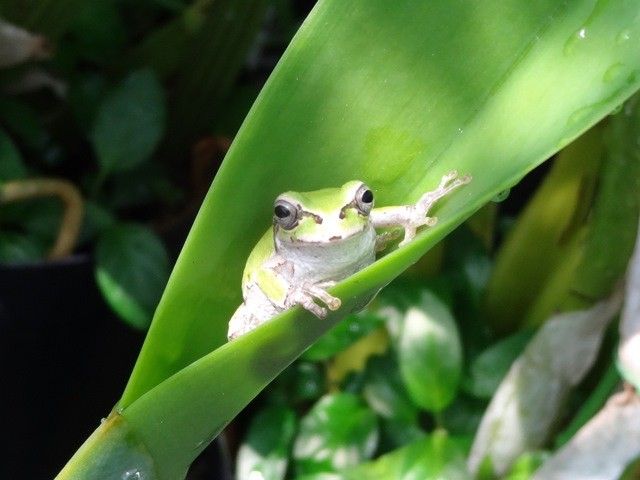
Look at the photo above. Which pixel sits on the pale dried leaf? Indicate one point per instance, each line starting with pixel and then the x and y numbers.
pixel 603 447
pixel 523 411
pixel 629 350
pixel 17 45
pixel 35 79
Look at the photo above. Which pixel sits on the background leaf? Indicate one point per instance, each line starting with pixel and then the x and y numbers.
pixel 489 368
pixel 338 432
pixel 132 267
pixel 430 353
pixel 437 456
pixel 265 452
pixel 129 123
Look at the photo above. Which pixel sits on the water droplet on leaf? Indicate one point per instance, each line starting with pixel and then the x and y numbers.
pixel 500 197
pixel 133 474
pixel 623 36
pixel 574 39
pixel 613 72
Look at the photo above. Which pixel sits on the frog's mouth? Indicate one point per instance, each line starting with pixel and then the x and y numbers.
pixel 333 240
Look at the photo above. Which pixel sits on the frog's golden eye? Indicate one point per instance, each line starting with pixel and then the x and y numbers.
pixel 364 199
pixel 285 214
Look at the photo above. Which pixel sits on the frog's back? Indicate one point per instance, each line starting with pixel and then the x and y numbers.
pixel 258 256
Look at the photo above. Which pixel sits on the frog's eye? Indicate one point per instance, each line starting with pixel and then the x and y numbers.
pixel 285 214
pixel 364 199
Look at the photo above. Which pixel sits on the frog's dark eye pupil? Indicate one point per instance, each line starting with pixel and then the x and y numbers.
pixel 367 196
pixel 281 211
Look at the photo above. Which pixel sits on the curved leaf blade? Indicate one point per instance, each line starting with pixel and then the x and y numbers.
pixel 395 94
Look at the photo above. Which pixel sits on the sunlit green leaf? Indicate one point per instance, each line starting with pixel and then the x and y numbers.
pixel 338 432
pixel 265 452
pixel 436 457
pixel 430 353
pixel 526 465
pixel 343 334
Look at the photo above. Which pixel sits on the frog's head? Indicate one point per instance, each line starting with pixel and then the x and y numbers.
pixel 323 216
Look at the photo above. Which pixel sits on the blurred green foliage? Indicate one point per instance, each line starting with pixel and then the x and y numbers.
pixel 117 105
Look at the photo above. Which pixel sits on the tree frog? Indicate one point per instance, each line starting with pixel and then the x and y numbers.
pixel 319 238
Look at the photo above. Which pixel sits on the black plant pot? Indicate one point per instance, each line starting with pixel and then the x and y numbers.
pixel 65 359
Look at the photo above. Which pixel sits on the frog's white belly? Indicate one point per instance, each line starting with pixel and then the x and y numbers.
pixel 318 264
pixel 329 262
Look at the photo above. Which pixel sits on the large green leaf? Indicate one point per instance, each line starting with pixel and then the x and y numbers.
pixel 394 93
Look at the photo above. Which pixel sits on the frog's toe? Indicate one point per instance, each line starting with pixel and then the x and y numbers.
pixel 334 303
pixel 431 221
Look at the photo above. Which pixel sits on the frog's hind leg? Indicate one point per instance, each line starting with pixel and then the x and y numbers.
pixel 242 321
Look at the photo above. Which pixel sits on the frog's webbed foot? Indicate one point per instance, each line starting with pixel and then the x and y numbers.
pixel 305 296
pixel 418 213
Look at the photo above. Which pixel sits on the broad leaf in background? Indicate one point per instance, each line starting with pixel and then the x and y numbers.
pixel 489 368
pixel 130 123
pixel 132 267
pixel 393 93
pixel 603 447
pixel 438 456
pixel 342 335
pixel 526 465
pixel 265 452
pixel 338 432
pixel 541 378
pixel 384 391
pixel 430 353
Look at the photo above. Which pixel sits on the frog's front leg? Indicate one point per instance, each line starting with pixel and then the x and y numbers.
pixel 285 290
pixel 305 296
pixel 411 217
